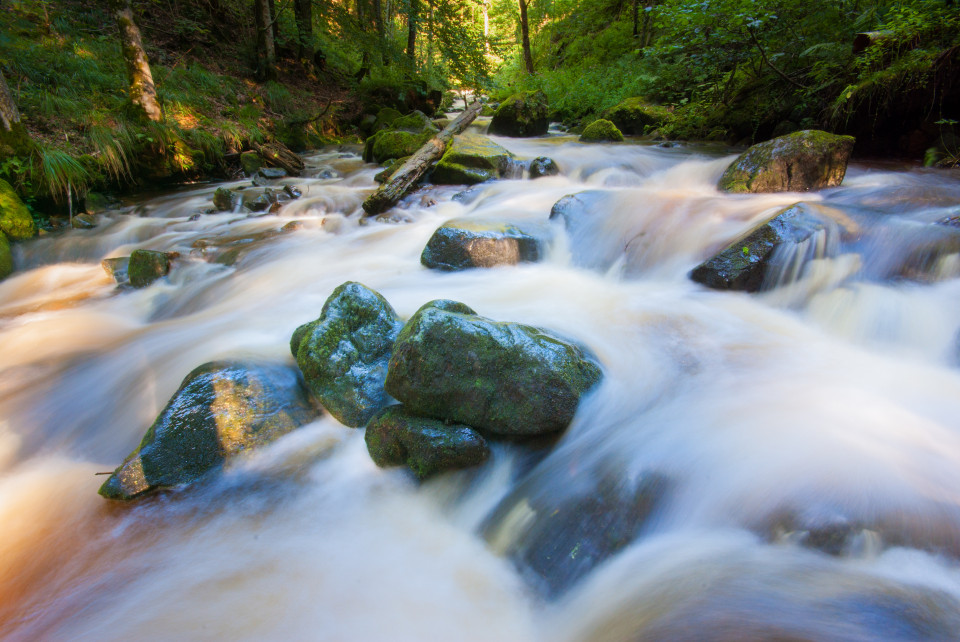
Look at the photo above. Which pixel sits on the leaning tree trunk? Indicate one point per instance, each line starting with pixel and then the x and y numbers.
pixel 274 23
pixel 143 93
pixel 525 37
pixel 14 138
pixel 303 12
pixel 388 194
pixel 412 18
pixel 266 54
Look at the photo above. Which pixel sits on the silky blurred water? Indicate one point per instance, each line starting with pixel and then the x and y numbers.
pixel 831 398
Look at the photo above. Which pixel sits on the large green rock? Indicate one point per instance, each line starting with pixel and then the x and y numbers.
pixel 384 119
pixel 6 257
pixel 523 114
pixel 635 116
pixel 744 264
pixel 403 137
pixel 15 219
pixel 146 266
pixel 344 354
pixel 395 437
pixel 797 162
pixel 225 199
pixel 460 244
pixel 220 410
pixel 503 378
pixel 601 131
pixel 471 159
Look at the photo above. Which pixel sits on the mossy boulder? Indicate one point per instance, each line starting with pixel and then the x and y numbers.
pixel 225 199
pixel 600 131
pixel 343 355
pixel 250 162
pixel 471 159
pixel 797 162
pixel 220 410
pixel 543 166
pixel 6 257
pixel 15 219
pixel 384 119
pixel 523 114
pixel 503 378
pixel 404 136
pixel 635 116
pixel 146 266
pixel 428 446
pixel 744 264
pixel 460 244
pixel 487 111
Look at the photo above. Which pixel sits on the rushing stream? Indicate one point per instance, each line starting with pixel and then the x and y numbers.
pixel 782 465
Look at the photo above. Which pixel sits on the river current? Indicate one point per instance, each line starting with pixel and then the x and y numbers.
pixel 781 465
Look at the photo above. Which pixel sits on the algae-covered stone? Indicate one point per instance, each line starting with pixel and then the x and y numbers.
pixel 797 162
pixel 601 131
pixel 15 219
pixel 460 244
pixel 415 122
pixel 523 114
pixel 344 353
pixel 743 265
pixel 395 437
pixel 471 159
pixel 250 162
pixel 225 200
pixel 635 116
pixel 391 143
pixel 503 378
pixel 83 222
pixel 6 257
pixel 146 266
pixel 220 410
pixel 385 118
pixel 543 166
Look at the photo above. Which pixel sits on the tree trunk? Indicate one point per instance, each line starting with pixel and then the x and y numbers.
pixel 266 54
pixel 274 23
pixel 303 10
pixel 525 37
pixel 142 92
pixel 636 18
pixel 381 32
pixel 388 194
pixel 412 18
pixel 14 138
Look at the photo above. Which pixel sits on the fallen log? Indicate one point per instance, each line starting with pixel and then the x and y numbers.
pixel 276 154
pixel 388 194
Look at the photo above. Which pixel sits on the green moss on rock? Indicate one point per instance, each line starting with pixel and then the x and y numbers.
pixel 15 219
pixel 220 410
pixel 395 437
pixel 460 244
pixel 797 162
pixel 601 131
pixel 146 266
pixel 6 257
pixel 471 159
pixel 343 355
pixel 523 114
pixel 502 378
pixel 635 116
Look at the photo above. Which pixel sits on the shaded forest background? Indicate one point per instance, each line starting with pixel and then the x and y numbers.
pixel 737 71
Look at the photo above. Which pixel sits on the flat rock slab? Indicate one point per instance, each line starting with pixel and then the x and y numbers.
pixel 461 244
pixel 344 354
pixel 503 378
pixel 396 437
pixel 221 410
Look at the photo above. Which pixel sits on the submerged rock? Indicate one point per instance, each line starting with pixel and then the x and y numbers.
pixel 6 257
pixel 471 159
pixel 558 525
pixel 797 162
pixel 503 378
pixel 15 219
pixel 395 437
pixel 601 131
pixel 221 409
pixel 146 266
pixel 744 264
pixel 460 244
pixel 635 116
pixel 343 355
pixel 523 114
pixel 83 222
pixel 543 166
pixel 225 200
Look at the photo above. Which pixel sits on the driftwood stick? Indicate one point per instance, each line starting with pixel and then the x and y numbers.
pixel 388 194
